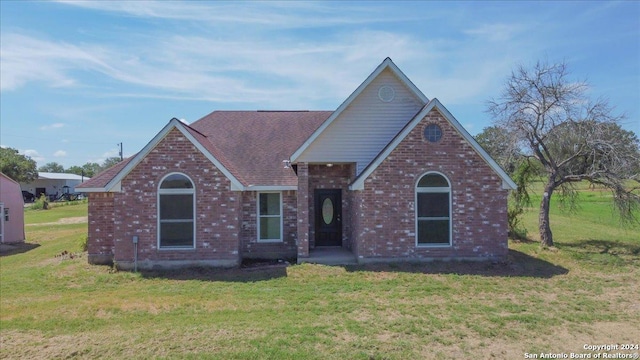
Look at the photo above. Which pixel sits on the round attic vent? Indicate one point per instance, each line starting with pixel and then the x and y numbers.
pixel 386 93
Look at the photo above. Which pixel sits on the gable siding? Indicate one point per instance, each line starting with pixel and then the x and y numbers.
pixel 366 126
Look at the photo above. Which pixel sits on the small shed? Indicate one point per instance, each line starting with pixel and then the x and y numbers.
pixel 54 184
pixel 11 211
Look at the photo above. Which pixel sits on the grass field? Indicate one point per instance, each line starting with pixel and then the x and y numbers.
pixel 586 291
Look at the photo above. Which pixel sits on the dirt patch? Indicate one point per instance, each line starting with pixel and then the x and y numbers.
pixel 64 221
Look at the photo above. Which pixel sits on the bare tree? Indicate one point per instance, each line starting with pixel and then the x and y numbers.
pixel 575 139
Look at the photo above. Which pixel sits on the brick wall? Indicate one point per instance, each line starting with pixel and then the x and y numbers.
pixel 338 176
pixel 385 224
pixel 101 219
pixel 250 248
pixel 217 209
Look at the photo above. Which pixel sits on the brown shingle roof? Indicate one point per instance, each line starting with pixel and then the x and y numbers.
pixel 103 178
pixel 253 144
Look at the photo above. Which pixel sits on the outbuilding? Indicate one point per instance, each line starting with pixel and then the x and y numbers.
pixel 11 211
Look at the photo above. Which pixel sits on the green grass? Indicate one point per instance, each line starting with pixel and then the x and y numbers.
pixel 585 291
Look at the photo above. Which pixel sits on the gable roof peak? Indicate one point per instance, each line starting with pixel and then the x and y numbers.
pixel 387 63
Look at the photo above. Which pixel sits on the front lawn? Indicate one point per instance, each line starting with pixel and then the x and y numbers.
pixel 586 291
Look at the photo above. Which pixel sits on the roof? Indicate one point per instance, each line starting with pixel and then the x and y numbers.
pixel 8 178
pixel 358 183
pixel 261 141
pixel 60 176
pixel 249 147
pixel 103 178
pixel 252 158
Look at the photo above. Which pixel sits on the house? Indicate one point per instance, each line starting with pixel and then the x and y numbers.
pixel 54 184
pixel 11 211
pixel 389 175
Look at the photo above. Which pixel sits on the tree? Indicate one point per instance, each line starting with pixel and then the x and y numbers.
pixel 502 145
pixel 574 138
pixel 109 162
pixel 91 169
pixel 20 168
pixel 53 167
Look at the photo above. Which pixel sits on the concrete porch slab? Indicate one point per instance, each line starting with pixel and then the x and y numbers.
pixel 329 255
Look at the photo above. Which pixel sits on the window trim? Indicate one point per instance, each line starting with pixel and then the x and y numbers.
pixel 416 207
pixel 281 215
pixel 161 192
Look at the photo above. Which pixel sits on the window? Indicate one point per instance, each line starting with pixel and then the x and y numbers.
pixel 176 212
pixel 433 210
pixel 433 133
pixel 269 217
pixel 6 214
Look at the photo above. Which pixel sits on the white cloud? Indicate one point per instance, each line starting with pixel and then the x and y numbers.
pixel 271 14
pixel 25 59
pixel 265 70
pixel 33 154
pixel 495 32
pixel 60 153
pixel 52 126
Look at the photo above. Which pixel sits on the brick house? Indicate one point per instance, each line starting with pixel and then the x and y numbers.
pixel 390 175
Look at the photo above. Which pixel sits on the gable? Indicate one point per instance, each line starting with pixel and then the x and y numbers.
pixel 366 122
pixel 467 141
pixel 110 180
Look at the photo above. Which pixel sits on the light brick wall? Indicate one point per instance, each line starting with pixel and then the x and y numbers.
pixel 249 245
pixel 218 208
pixel 101 219
pixel 385 223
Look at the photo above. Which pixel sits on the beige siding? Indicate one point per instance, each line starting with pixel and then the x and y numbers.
pixel 366 126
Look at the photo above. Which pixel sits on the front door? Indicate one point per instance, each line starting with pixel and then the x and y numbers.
pixel 328 222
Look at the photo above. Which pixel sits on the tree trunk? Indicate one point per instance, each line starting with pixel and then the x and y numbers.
pixel 546 238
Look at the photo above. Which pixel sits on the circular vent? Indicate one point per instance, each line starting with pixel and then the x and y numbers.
pixel 386 93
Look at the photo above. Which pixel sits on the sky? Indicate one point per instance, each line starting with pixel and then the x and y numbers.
pixel 78 78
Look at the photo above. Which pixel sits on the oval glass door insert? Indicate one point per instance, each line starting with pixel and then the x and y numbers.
pixel 327 211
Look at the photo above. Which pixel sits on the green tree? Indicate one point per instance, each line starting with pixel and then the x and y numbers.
pixel 53 167
pixel 91 169
pixel 502 145
pixel 109 162
pixel 573 137
pixel 20 168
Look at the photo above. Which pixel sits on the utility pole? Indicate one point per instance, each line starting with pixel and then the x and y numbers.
pixel 121 157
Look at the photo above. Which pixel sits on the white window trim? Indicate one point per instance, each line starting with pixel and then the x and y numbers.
pixel 160 192
pixel 258 218
pixel 433 190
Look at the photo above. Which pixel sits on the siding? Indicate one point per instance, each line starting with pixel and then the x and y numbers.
pixel 366 126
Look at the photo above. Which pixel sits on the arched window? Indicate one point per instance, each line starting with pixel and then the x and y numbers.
pixel 176 212
pixel 433 210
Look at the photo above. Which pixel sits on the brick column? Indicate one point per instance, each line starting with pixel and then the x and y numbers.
pixel 303 210
pixel 101 217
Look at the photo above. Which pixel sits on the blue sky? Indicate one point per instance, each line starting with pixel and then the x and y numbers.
pixel 77 78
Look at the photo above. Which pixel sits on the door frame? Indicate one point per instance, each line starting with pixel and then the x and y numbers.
pixel 318 220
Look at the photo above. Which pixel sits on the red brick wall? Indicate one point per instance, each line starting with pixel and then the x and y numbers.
pixel 101 219
pixel 249 245
pixel 217 208
pixel 338 176
pixel 385 224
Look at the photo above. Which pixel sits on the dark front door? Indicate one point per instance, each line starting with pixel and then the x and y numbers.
pixel 328 223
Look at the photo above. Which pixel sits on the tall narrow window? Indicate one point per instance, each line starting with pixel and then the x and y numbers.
pixel 269 217
pixel 176 212
pixel 433 210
